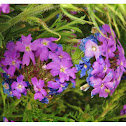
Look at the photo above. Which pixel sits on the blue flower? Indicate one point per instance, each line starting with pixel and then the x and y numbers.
pixel 7 89
pixel 53 91
pixel 83 66
pixel 5 75
pixel 89 75
pixel 45 100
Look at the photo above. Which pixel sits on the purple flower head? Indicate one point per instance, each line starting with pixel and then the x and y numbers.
pixel 19 86
pixel 122 63
pixel 40 93
pixel 27 47
pixel 59 55
pixel 12 61
pixel 102 87
pixel 5 8
pixel 108 47
pixel 123 111
pixel 100 67
pixel 63 69
pixel 57 85
pixel 120 49
pixel 5 119
pixel 107 28
pixel 85 40
pixel 11 48
pixel 44 45
pixel 92 49
pixel 118 76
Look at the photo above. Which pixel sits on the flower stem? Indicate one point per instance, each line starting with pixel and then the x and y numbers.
pixel 4 98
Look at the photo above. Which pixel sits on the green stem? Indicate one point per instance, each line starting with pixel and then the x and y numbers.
pixel 12 106
pixel 75 18
pixel 4 98
pixel 30 11
pixel 51 16
pixel 35 19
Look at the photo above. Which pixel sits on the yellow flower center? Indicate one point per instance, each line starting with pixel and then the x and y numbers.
pixel 27 48
pixel 94 48
pixel 119 78
pixel 39 89
pixel 13 63
pixel 85 66
pixel 62 69
pixel 107 90
pixel 102 85
pixel 19 86
pixel 62 85
pixel 60 56
pixel 121 63
pixel 114 81
pixel 45 43
pixel 6 86
pixel 105 68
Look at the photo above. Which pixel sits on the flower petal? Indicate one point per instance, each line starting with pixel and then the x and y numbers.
pixel 34 81
pixel 26 59
pixel 20 46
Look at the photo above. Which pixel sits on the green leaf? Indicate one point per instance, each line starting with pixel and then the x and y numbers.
pixel 1 70
pixel 1 39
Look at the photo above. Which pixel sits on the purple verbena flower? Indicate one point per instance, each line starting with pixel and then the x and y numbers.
pixel 107 28
pixel 12 61
pixel 85 40
pixel 63 69
pixel 5 8
pixel 44 45
pixel 122 63
pixel 26 46
pixel 6 120
pixel 92 49
pixel 100 67
pixel 11 48
pixel 57 85
pixel 102 87
pixel 123 111
pixel 59 54
pixel 19 86
pixel 40 93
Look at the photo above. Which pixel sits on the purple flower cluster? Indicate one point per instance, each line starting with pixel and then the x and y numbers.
pixel 49 72
pixel 5 8
pixel 104 61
